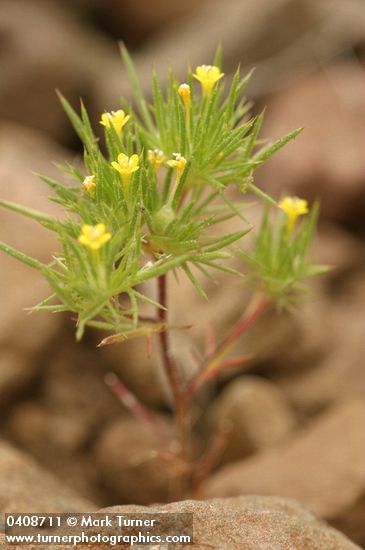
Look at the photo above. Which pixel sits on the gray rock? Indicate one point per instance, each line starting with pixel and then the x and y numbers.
pixel 248 523
pixel 66 55
pixel 126 457
pixel 324 162
pixel 323 466
pixel 15 375
pixel 25 486
pixel 258 413
pixel 338 376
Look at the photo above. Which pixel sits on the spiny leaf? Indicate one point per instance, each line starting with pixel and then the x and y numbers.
pixel 24 258
pixel 48 221
pixel 138 94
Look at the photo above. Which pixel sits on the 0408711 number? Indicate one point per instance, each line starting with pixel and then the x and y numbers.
pixel 21 520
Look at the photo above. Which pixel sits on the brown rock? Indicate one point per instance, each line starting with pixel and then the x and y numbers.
pixel 286 341
pixel 15 375
pixel 340 375
pixel 57 439
pixel 26 333
pixel 257 412
pixel 340 251
pixel 125 454
pixel 73 369
pixel 323 466
pixel 140 373
pixel 248 523
pixel 24 486
pixel 22 151
pixel 45 432
pixel 136 22
pixel 66 55
pixel 274 35
pixel 326 161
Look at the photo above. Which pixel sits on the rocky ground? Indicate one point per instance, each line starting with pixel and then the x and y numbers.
pixel 298 411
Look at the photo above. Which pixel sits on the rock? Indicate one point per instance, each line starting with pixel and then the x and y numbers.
pixel 339 375
pixel 21 152
pixel 25 336
pixel 140 373
pixel 15 374
pixel 341 251
pixel 74 368
pixel 323 466
pixel 274 36
pixel 24 486
pixel 257 412
pixel 125 455
pixel 66 55
pixel 137 22
pixel 59 440
pixel 248 523
pixel 47 433
pixel 286 341
pixel 325 162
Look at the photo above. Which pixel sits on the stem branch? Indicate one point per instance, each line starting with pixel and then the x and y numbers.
pixel 216 358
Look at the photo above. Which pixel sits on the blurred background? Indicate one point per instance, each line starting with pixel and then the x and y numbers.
pixel 307 380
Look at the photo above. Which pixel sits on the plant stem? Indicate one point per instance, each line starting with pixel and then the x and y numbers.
pixel 215 359
pixel 169 364
pixel 167 359
pixel 183 395
pixel 130 401
pixel 181 404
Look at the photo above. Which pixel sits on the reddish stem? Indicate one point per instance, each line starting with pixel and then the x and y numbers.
pixel 131 402
pixel 214 360
pixel 167 359
pixel 181 410
pixel 243 325
pixel 203 466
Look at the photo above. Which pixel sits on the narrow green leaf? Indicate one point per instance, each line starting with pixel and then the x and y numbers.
pixel 268 151
pixel 225 241
pixel 24 258
pixel 257 191
pixel 137 90
pixel 48 221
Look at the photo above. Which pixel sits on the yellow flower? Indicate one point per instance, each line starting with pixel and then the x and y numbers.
pixel 94 236
pixel 126 166
pixel 184 93
pixel 179 163
pixel 208 76
pixel 89 184
pixel 156 158
pixel 293 208
pixel 117 119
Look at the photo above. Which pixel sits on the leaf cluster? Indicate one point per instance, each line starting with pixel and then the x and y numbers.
pixel 279 261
